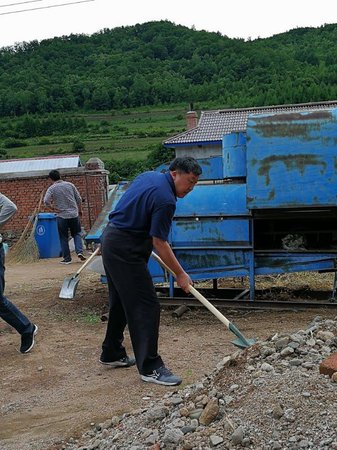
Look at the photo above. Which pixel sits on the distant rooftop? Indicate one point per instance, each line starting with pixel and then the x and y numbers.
pixel 39 164
pixel 213 125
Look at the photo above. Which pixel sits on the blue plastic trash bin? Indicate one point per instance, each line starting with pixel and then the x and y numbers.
pixel 47 236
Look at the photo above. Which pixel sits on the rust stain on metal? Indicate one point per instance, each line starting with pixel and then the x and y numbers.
pixel 300 130
pixel 210 261
pixel 291 162
pixel 290 116
pixel 200 261
pixel 253 161
pixel 271 195
pixel 293 124
pixel 275 263
pixel 186 225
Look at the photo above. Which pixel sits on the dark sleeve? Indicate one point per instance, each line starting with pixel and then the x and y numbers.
pixel 161 221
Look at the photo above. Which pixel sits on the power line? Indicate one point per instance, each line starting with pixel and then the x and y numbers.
pixel 45 7
pixel 20 3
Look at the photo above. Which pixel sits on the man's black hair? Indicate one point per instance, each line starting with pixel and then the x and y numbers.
pixel 186 164
pixel 54 175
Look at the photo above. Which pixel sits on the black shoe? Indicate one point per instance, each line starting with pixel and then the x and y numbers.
pixel 27 340
pixel 162 375
pixel 65 261
pixel 81 257
pixel 123 362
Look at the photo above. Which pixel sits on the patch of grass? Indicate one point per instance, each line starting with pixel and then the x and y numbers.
pixel 90 318
pixel 187 377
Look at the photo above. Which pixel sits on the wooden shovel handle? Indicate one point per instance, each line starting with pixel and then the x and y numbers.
pixel 195 293
pixel 88 261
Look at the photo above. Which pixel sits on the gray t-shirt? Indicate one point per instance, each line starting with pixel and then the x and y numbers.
pixel 65 198
pixel 7 209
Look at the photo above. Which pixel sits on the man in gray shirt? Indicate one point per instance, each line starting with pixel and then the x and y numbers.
pixel 9 312
pixel 65 200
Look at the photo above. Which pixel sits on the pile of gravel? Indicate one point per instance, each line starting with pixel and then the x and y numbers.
pixel 269 396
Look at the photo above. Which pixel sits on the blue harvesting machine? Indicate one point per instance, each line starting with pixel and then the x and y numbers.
pixel 266 204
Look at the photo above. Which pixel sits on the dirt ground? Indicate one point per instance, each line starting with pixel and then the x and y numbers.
pixel 59 389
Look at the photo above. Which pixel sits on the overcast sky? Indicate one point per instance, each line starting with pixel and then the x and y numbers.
pixel 234 18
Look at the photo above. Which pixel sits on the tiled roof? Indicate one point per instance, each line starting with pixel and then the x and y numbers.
pixel 214 124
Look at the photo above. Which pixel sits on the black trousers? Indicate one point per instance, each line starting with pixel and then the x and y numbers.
pixel 132 297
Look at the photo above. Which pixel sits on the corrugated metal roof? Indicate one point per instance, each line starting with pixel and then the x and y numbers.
pixel 39 164
pixel 214 124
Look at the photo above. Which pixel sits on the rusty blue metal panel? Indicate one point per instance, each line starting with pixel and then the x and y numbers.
pixel 292 159
pixel 213 199
pixel 211 168
pixel 234 155
pixel 209 232
pixel 212 263
pixel 281 262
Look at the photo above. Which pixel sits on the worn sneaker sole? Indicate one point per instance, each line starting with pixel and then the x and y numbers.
pixel 117 364
pixel 164 383
pixel 33 341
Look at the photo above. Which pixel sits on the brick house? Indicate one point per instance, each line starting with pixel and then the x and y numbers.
pixel 25 180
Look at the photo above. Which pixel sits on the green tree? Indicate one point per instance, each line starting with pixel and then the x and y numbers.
pixel 78 146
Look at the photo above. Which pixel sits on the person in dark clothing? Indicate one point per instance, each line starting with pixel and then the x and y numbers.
pixel 142 220
pixel 9 312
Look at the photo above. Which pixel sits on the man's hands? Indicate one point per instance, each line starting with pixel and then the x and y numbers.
pixel 184 281
pixel 167 256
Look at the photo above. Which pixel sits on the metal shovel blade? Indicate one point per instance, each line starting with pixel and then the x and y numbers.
pixel 243 343
pixel 69 287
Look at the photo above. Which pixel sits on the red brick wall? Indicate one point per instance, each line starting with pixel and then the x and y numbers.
pixel 26 191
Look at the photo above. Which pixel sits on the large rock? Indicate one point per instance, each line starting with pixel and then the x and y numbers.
pixel 210 412
pixel 329 365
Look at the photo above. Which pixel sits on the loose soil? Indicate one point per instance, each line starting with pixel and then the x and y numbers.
pixel 59 389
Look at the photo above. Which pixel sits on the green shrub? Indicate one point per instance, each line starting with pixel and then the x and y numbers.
pixel 78 146
pixel 44 141
pixel 13 143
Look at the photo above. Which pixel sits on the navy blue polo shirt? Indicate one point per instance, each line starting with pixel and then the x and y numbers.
pixel 148 205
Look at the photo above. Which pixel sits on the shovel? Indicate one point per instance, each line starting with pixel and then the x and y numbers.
pixel 241 341
pixel 69 285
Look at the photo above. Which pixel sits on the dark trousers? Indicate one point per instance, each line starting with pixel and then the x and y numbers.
pixel 74 226
pixel 9 312
pixel 133 300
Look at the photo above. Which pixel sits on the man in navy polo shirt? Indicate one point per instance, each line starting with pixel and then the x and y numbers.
pixel 142 220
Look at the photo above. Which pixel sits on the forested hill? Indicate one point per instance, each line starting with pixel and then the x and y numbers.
pixel 160 63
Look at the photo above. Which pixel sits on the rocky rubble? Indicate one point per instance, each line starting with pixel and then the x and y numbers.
pixel 270 396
